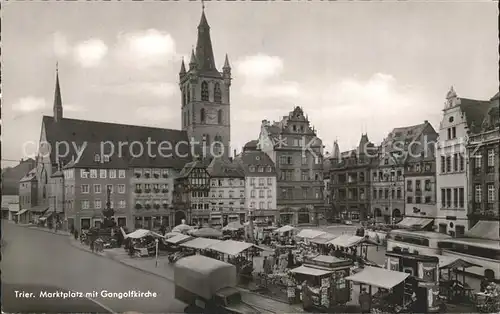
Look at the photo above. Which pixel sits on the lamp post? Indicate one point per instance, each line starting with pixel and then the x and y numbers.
pixel 250 225
pixel 156 252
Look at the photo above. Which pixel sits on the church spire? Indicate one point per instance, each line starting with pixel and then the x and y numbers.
pixel 182 72
pixel 58 109
pixel 204 51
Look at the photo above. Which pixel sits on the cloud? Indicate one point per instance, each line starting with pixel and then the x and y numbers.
pixel 157 89
pixel 72 108
pixel 146 48
pixel 157 114
pixel 29 104
pixel 90 53
pixel 261 74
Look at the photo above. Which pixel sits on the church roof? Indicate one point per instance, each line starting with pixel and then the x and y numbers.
pixel 94 133
pixel 256 158
pixel 30 176
pixel 204 51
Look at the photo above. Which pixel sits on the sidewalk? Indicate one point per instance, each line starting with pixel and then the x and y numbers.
pixel 166 270
pixel 32 226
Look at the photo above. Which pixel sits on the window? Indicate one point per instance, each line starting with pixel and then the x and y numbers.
pixel 417 185
pixel 217 93
pixel 450 119
pixel 409 200
pixel 97 204
pixel 252 169
pixel 455 197
pixel 261 181
pixel 84 174
pixel 97 158
pixel 428 200
pixel 409 185
pixel 374 193
pixel 399 194
pixel 386 192
pixel 121 188
pixel 252 193
pixel 455 162
pixel 443 167
pixel 219 116
pixel 85 204
pixel 453 132
pixel 261 205
pixel 478 196
pixel 97 188
pixel 491 160
pixel 427 185
pixel 305 193
pixel 462 163
pixel 109 187
pixel 380 194
pixel 93 173
pixel 491 193
pixel 122 204
pixel 418 200
pixel 202 115
pixel 85 188
pixel 448 164
pixel 478 162
pixel 449 133
pixel 112 174
pixel 461 197
pixel 443 197
pixel 121 174
pixel 448 197
pixel 269 193
pixel 102 173
pixel 304 175
pixel 204 91
pixel 260 169
pixel 261 194
pixel 269 181
pixel 269 205
pixel 304 159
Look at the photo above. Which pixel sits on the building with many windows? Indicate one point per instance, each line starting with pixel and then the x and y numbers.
pixel 260 185
pixel 350 181
pixel 483 148
pixel 227 192
pixel 293 145
pixel 28 196
pixel 151 193
pixel 461 117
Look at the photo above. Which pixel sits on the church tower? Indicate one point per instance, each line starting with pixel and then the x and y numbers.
pixel 57 109
pixel 205 97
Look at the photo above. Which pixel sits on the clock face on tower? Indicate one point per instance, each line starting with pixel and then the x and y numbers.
pixel 211 116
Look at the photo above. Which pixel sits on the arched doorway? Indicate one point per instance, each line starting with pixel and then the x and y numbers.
pixel 303 216
pixel 179 216
pixel 396 215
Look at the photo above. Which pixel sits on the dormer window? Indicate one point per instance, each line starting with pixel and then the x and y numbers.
pixel 386 161
pixel 252 168
pixel 106 158
pixel 269 169
pixel 294 128
pixel 97 158
pixel 261 169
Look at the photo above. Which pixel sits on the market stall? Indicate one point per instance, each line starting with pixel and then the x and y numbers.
pixel 142 242
pixel 171 234
pixel 307 234
pixel 201 246
pixel 390 297
pixel 321 242
pixel 182 228
pixel 347 245
pixel 206 233
pixel 321 280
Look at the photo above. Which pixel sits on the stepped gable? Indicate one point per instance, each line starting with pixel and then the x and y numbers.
pixel 80 131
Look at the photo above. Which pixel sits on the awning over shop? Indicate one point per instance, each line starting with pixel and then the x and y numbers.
pixel 141 233
pixel 485 230
pixel 284 229
pixel 200 243
pixel 39 209
pixel 310 233
pixel 178 239
pixel 22 211
pixel 347 240
pixel 415 222
pixel 379 277
pixel 231 247
pixel 304 270
pixel 324 238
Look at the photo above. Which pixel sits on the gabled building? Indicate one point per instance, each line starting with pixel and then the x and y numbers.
pixel 350 181
pixel 483 148
pixel 293 146
pixel 388 182
pixel 28 196
pixel 461 117
pixel 227 192
pixel 191 199
pixel 260 185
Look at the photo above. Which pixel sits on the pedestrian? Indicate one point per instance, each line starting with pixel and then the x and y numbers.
pixel 75 232
pixel 290 263
pixel 92 245
pixel 364 301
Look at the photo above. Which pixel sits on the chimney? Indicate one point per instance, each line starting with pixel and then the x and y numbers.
pixel 425 121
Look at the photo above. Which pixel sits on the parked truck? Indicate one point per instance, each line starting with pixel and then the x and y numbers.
pixel 208 285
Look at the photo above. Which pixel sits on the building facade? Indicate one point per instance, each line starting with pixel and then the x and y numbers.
pixel 260 185
pixel 483 149
pixel 460 115
pixel 205 97
pixel 350 181
pixel 28 196
pixel 151 194
pixel 227 192
pixel 293 146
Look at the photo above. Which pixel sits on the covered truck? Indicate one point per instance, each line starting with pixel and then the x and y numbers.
pixel 208 285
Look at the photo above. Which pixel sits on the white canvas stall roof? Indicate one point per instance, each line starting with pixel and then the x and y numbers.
pixel 485 230
pixel 379 277
pixel 414 221
pixel 141 233
pixel 231 247
pixel 171 234
pixel 200 243
pixel 324 238
pixel 347 240
pixel 304 270
pixel 310 233
pixel 22 212
pixel 178 239
pixel 284 229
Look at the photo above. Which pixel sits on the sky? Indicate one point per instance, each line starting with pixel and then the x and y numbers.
pixel 352 66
